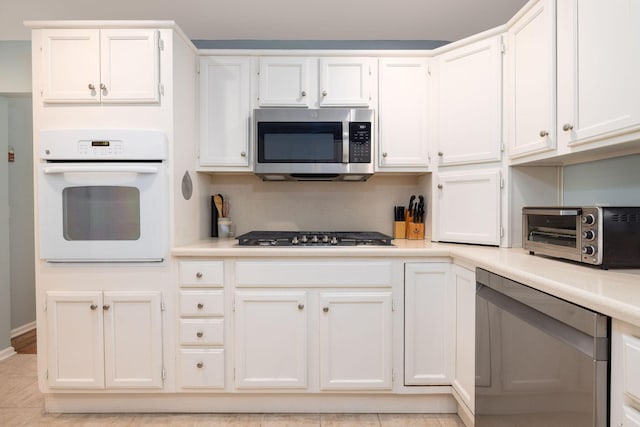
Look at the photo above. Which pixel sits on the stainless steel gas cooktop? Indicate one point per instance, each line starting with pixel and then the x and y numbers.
pixel 314 238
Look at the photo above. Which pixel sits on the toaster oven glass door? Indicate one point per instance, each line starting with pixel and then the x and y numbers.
pixel 556 230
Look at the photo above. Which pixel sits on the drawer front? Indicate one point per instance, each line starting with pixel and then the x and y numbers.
pixel 201 273
pixel 202 331
pixel 201 368
pixel 201 303
pixel 631 366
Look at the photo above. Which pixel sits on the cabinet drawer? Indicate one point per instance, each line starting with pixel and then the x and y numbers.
pixel 201 331
pixel 201 273
pixel 201 303
pixel 630 417
pixel 631 364
pixel 202 368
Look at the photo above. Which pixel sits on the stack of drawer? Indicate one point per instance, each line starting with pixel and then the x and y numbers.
pixel 201 329
pixel 631 369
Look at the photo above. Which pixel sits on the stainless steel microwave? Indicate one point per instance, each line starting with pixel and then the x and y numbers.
pixel 605 236
pixel 331 144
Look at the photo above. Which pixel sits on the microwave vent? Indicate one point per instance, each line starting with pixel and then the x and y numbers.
pixel 626 218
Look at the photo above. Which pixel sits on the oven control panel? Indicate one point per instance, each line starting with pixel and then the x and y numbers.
pixel 100 148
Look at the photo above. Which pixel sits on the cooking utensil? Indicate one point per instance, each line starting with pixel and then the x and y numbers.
pixel 218 200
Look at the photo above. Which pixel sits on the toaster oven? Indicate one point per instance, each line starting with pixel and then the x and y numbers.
pixel 605 236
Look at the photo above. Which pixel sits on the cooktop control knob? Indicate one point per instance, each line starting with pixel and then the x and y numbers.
pixel 325 239
pixel 314 239
pixel 295 240
pixel 588 235
pixel 334 240
pixel 589 219
pixel 304 239
pixel 588 250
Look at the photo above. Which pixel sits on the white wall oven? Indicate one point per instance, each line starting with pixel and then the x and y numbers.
pixel 102 196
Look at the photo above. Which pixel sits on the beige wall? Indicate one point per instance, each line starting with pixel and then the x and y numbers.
pixel 15 67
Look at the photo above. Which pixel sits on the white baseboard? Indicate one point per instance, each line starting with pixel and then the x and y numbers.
pixel 7 353
pixel 23 329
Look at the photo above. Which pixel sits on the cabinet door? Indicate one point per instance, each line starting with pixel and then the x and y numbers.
pixel 598 68
pixel 133 339
pixel 345 82
pixel 470 103
pixel 71 65
pixel 403 114
pixel 429 321
pixel 355 341
pixel 129 65
pixel 468 207
pixel 531 65
pixel 284 82
pixel 75 340
pixel 271 339
pixel 465 377
pixel 225 112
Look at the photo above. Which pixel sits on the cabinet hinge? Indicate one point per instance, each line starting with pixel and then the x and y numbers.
pixel 197 67
pixel 501 232
pixel 429 69
pixel 501 146
pixel 369 69
pixel 46 374
pixel 164 374
pixel 162 306
pixel 393 305
pixel 160 43
pixel 501 182
pixel 161 89
pixel 45 305
pixel 393 375
pixel 503 47
pixel 233 306
pixel 234 374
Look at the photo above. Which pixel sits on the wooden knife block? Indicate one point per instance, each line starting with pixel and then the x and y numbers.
pixel 399 230
pixel 415 231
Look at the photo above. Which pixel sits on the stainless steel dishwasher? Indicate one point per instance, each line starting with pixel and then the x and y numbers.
pixel 540 360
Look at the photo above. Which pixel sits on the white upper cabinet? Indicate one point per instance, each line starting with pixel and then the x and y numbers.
pixel 467 209
pixel 403 116
pixel 469 123
pixel 345 82
pixel 598 69
pixel 284 82
pixel 225 112
pixel 308 82
pixel 530 81
pixel 91 66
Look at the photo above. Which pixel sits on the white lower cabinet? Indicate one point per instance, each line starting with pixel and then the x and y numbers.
pixel 465 370
pixel 625 375
pixel 429 329
pixel 355 340
pixel 271 339
pixel 201 368
pixel 110 339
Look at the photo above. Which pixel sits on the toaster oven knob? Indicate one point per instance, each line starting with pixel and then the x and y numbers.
pixel 589 219
pixel 295 240
pixel 334 240
pixel 588 235
pixel 588 250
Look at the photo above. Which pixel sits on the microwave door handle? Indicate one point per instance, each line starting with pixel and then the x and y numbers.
pixel 558 212
pixel 346 144
pixel 100 169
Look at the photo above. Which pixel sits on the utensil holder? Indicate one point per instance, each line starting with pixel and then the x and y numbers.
pixel 415 231
pixel 399 230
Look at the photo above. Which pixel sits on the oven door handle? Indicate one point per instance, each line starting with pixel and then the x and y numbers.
pixel 100 169
pixel 559 212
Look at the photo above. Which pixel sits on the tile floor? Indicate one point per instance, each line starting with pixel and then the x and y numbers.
pixel 22 405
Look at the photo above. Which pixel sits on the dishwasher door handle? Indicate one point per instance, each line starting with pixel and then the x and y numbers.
pixel 597 348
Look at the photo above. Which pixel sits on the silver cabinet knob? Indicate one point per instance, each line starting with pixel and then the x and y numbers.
pixel 93 307
pixel 384 154
pixel 440 154
pixel 300 306
pixel 543 133
pixel 324 93
pixel 199 334
pixel 91 86
pixel 567 127
pixel 439 186
pixel 199 275
pixel 106 307
pixel 243 154
pixel 200 306
pixel 103 86
pixel 325 309
pixel 200 365
pixel 303 93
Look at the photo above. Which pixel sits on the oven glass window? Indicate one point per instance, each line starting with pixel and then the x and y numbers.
pixel 558 230
pixel 101 213
pixel 293 142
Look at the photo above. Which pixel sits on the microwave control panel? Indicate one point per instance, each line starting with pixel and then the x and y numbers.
pixel 360 142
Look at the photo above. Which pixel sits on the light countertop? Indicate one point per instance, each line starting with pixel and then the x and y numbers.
pixel 615 293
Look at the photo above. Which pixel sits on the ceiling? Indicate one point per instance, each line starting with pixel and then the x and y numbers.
pixel 279 19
